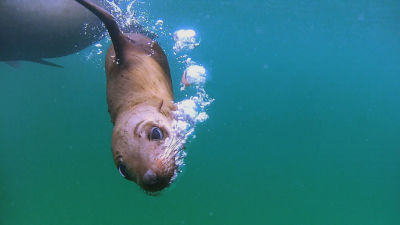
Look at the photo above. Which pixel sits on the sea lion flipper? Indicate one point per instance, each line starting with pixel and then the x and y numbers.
pixel 44 62
pixel 117 37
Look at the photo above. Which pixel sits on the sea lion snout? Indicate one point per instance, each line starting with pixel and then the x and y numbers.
pixel 150 181
pixel 151 176
pixel 155 182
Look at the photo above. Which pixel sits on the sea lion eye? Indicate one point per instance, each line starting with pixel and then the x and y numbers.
pixel 122 170
pixel 156 134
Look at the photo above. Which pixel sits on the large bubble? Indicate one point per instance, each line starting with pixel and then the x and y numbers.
pixel 185 40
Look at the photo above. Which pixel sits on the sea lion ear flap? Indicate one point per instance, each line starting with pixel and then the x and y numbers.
pixel 117 38
pixel 167 107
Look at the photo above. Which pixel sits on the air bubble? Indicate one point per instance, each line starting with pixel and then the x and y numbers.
pixel 185 40
pixel 159 23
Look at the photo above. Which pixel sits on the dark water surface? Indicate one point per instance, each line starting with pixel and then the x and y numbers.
pixel 304 130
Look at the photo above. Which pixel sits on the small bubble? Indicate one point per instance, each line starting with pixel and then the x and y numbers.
pixel 159 23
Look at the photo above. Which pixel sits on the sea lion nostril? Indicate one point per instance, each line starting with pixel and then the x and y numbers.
pixel 150 178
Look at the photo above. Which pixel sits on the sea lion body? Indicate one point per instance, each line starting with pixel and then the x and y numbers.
pixel 140 103
pixel 139 96
pixel 36 29
pixel 146 78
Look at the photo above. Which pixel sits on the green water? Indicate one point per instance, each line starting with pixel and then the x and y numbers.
pixel 304 129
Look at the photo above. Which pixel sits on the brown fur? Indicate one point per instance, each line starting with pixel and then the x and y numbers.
pixel 139 97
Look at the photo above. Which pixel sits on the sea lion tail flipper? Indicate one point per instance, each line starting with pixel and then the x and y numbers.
pixel 44 62
pixel 117 37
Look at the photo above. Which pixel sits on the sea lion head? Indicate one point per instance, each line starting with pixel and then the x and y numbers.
pixel 141 147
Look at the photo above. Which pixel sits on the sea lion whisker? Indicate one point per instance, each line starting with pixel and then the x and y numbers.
pixel 170 143
pixel 182 138
pixel 167 151
pixel 177 142
pixel 174 148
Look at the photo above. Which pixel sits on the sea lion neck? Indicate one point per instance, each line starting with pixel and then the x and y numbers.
pixel 141 77
pixel 142 81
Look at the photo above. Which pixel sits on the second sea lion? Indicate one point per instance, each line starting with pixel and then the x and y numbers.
pixel 41 29
pixel 140 103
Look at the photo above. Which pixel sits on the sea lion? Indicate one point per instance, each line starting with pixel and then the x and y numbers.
pixel 33 30
pixel 140 103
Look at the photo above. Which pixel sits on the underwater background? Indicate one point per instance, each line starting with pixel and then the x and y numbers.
pixel 304 129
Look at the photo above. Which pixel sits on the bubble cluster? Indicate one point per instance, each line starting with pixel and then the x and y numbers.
pixel 192 110
pixel 193 75
pixel 185 40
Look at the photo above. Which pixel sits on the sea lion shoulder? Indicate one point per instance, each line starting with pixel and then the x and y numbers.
pixel 135 45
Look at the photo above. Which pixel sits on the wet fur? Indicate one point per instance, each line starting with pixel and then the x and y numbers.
pixel 139 97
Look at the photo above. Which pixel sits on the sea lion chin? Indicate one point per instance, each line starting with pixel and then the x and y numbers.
pixel 140 103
